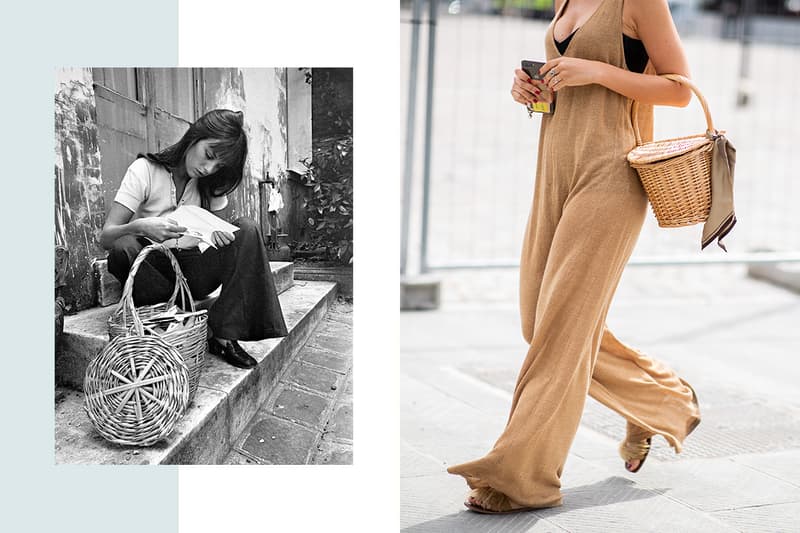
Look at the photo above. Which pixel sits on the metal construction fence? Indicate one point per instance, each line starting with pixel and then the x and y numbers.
pixel 470 168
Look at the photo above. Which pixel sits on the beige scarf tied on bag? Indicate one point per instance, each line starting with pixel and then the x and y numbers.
pixel 721 217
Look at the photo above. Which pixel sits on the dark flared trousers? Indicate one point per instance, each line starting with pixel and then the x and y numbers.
pixel 247 308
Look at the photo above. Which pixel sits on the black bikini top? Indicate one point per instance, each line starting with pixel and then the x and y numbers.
pixel 635 54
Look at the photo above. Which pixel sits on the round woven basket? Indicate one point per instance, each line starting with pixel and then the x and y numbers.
pixel 136 389
pixel 676 173
pixel 191 342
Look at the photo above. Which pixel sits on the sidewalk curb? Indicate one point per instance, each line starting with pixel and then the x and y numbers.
pixel 782 275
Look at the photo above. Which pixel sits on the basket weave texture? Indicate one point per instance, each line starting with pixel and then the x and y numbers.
pixel 190 342
pixel 676 173
pixel 136 390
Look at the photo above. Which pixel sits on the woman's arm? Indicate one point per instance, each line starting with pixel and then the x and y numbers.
pixel 654 26
pixel 118 225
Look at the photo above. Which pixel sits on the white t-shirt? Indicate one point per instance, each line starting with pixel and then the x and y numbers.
pixel 147 189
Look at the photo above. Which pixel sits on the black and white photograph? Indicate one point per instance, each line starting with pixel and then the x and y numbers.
pixel 204 266
pixel 599 266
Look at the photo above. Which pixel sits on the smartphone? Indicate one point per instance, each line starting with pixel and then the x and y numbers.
pixel 531 68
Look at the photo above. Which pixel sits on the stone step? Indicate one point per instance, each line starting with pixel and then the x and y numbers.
pixel 226 399
pixel 86 333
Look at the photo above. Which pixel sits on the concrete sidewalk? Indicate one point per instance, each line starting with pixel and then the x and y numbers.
pixel 308 418
pixel 736 340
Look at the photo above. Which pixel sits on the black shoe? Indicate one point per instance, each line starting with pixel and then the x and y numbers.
pixel 232 353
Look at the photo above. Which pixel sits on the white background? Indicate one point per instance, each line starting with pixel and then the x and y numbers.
pixel 316 33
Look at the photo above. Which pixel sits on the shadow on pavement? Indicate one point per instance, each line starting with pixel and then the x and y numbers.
pixel 606 492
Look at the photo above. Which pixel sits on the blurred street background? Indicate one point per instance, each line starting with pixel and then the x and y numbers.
pixel 735 338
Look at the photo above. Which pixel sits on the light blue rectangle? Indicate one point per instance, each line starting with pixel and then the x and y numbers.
pixel 39 37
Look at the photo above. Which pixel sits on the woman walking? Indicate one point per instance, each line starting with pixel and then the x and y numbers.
pixel 588 209
pixel 201 169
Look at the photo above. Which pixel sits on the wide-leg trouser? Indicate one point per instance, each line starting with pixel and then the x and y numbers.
pixel 571 265
pixel 247 308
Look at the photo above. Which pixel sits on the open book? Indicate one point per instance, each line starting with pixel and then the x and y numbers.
pixel 199 224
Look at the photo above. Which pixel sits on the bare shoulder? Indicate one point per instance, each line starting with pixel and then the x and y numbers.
pixel 557 5
pixel 644 5
pixel 653 25
pixel 638 13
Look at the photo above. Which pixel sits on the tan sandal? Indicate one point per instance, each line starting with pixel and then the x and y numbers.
pixel 636 445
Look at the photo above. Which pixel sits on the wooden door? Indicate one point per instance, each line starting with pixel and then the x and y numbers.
pixel 140 111
pixel 121 123
pixel 173 103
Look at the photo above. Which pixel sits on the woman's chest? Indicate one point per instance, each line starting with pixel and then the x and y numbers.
pixel 180 188
pixel 574 14
pixel 166 194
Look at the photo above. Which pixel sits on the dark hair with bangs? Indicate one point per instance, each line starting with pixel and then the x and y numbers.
pixel 224 126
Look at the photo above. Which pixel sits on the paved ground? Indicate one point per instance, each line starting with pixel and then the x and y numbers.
pixel 735 339
pixel 308 419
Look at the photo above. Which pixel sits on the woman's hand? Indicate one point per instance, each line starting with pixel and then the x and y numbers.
pixel 570 72
pixel 529 91
pixel 160 229
pixel 222 238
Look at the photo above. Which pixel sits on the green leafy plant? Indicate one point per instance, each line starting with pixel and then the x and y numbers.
pixel 329 200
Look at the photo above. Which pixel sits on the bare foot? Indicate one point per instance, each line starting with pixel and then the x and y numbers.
pixel 486 499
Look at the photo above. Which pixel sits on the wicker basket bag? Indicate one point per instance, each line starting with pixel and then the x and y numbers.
pixel 676 173
pixel 136 389
pixel 190 341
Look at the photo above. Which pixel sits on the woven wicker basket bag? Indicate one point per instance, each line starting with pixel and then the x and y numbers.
pixel 676 173
pixel 191 342
pixel 136 389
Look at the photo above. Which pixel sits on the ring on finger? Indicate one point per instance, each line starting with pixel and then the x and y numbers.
pixel 552 72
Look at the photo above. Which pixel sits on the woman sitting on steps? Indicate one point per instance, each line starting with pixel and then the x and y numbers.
pixel 201 169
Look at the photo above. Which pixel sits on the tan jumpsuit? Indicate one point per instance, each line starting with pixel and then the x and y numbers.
pixel 588 209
